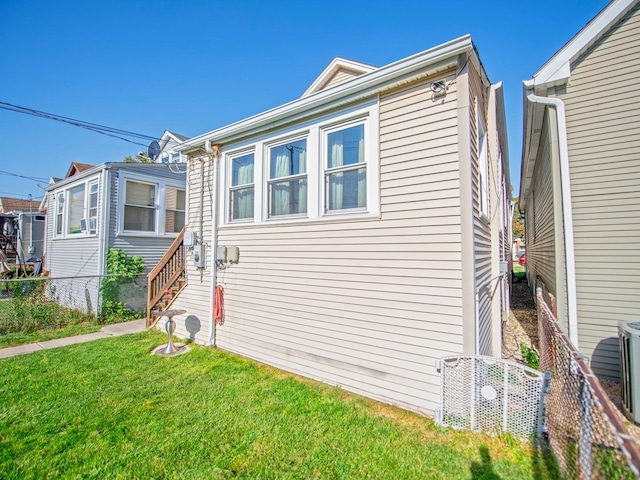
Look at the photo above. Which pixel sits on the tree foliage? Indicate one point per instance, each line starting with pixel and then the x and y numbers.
pixel 517 223
pixel 137 159
pixel 122 272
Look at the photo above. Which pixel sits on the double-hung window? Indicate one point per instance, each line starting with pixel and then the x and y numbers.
pixel 241 193
pixel 59 213
pixel 345 170
pixel 287 183
pixel 93 208
pixel 139 206
pixel 75 205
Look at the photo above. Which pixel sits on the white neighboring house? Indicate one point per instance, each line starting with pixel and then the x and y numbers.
pixel 371 220
pixel 21 229
pixel 139 208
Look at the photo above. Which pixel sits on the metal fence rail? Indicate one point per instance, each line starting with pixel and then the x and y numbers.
pixel 584 432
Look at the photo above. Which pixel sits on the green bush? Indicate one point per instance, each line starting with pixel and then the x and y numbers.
pixel 124 272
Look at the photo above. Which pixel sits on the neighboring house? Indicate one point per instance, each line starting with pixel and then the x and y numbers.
pixel 581 181
pixel 136 207
pixel 371 221
pixel 21 229
pixel 168 142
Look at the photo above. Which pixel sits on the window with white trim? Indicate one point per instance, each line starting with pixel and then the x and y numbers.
pixel 483 172
pixel 140 206
pixel 287 185
pixel 242 191
pixel 75 209
pixel 150 208
pixel 345 169
pixel 59 213
pixel 93 208
pixel 311 171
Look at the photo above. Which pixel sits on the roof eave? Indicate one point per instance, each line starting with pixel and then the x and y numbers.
pixel 366 85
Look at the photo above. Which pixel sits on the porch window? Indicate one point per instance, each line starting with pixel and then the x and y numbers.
pixel 76 209
pixel 139 207
pixel 346 171
pixel 174 210
pixel 288 179
pixel 241 193
pixel 93 208
pixel 59 213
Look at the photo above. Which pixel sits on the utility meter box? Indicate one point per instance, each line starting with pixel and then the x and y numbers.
pixel 199 256
pixel 629 336
pixel 189 239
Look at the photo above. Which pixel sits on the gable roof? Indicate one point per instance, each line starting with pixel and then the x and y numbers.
pixel 77 167
pixel 337 66
pixel 8 204
pixel 366 86
pixel 558 68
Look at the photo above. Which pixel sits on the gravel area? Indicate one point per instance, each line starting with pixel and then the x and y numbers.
pixel 522 327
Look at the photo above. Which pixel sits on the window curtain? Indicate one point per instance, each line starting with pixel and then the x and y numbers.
pixel 282 191
pixel 245 196
pixel 336 184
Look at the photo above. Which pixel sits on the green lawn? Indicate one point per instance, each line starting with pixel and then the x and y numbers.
pixel 108 409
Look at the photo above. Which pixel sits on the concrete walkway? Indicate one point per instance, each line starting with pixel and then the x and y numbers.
pixel 116 330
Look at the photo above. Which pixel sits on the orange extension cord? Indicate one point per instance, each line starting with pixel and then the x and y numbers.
pixel 219 305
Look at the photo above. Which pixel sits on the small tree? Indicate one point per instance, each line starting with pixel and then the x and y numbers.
pixel 138 159
pixel 517 223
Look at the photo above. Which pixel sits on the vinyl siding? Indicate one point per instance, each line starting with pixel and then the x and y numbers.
pixel 149 247
pixel 341 76
pixel 541 244
pixel 196 297
pixel 69 258
pixel 366 304
pixel 481 230
pixel 25 235
pixel 603 127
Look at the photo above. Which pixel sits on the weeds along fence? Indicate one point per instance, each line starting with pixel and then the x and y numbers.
pixel 584 432
pixel 108 298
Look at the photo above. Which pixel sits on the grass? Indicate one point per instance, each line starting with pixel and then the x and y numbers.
pixel 108 409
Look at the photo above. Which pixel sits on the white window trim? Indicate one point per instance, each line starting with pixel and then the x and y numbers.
pixel 267 168
pixel 159 204
pixel 483 166
pixel 314 132
pixel 66 206
pixel 229 157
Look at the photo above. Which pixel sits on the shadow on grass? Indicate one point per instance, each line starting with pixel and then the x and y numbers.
pixel 483 470
pixel 544 463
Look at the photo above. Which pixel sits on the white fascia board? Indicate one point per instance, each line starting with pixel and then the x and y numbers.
pixel 76 178
pixel 502 130
pixel 558 69
pixel 360 87
pixel 527 121
pixel 335 65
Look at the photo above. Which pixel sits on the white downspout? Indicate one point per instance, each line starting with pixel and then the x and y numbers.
pixel 569 252
pixel 214 242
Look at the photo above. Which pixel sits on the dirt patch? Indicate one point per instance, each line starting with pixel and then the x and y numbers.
pixel 522 327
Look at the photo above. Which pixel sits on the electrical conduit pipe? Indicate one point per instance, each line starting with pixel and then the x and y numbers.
pixel 211 342
pixel 570 261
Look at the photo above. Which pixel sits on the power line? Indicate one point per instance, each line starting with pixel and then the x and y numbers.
pixel 33 179
pixel 94 127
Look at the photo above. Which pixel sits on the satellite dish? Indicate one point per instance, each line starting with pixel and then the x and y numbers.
pixel 153 150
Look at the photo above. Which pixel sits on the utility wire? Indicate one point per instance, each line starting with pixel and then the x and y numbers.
pixel 33 179
pixel 95 127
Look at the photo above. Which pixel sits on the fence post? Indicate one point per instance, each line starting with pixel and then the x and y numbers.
pixel 585 445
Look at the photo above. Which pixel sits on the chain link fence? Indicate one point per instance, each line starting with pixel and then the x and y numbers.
pixel 583 430
pixel 28 304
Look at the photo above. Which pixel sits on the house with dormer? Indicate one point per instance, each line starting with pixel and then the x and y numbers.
pixel 358 233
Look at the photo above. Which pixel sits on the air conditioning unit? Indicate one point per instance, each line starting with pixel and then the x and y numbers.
pixel 629 335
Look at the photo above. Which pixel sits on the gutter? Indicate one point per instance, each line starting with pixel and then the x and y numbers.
pixel 570 261
pixel 361 87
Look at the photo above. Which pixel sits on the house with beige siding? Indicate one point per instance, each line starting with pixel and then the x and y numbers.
pixel 359 232
pixel 580 182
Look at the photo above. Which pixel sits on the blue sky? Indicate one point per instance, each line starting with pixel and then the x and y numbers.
pixel 192 66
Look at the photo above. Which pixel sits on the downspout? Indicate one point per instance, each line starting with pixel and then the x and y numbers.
pixel 570 261
pixel 214 155
pixel 104 227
